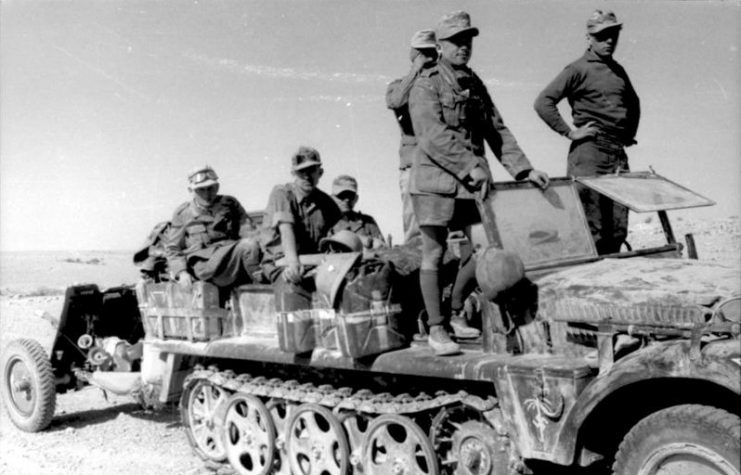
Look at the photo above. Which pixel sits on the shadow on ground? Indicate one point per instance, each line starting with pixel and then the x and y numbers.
pixel 79 419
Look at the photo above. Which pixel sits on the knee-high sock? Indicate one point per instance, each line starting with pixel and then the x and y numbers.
pixel 430 286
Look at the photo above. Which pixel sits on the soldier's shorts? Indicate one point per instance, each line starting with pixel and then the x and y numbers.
pixel 449 212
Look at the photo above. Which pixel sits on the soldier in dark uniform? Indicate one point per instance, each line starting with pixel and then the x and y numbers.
pixel 423 55
pixel 151 258
pixel 205 237
pixel 345 194
pixel 606 111
pixel 452 116
pixel 297 217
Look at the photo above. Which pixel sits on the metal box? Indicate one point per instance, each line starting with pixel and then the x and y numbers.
pixel 296 331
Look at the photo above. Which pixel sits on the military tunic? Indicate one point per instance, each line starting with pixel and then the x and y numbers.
pixel 312 217
pixel 207 241
pixel 453 116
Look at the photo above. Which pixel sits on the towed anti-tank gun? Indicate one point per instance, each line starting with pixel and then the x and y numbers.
pixel 629 360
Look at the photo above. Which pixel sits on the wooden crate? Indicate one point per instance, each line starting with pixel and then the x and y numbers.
pixel 171 311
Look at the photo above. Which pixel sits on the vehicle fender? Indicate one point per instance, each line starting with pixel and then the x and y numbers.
pixel 718 363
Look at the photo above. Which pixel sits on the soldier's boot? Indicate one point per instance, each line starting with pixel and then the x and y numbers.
pixel 440 342
pixel 461 328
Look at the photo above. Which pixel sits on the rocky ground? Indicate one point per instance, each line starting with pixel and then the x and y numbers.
pixel 92 434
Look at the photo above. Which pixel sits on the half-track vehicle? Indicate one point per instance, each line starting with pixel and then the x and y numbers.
pixel 629 362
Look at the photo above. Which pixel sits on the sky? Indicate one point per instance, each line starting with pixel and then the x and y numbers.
pixel 105 105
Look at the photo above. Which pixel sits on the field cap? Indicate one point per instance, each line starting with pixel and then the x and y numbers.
pixel 453 24
pixel 602 20
pixel 202 177
pixel 344 183
pixel 423 39
pixel 305 157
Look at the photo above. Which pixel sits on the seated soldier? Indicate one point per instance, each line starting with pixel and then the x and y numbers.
pixel 206 236
pixel 297 217
pixel 150 258
pixel 345 194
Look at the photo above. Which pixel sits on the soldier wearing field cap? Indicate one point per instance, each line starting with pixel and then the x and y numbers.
pixel 605 111
pixel 298 216
pixel 345 194
pixel 453 116
pixel 422 55
pixel 205 239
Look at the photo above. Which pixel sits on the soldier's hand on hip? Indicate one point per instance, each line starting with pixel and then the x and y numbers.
pixel 539 178
pixel 587 130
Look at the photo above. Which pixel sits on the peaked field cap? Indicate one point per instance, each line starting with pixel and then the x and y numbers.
pixel 453 24
pixel 305 157
pixel 202 177
pixel 344 183
pixel 602 20
pixel 423 39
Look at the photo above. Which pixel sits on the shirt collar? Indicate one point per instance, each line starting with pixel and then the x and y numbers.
pixel 204 209
pixel 592 57
pixel 301 196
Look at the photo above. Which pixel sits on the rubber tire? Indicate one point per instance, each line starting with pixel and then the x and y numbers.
pixel 33 356
pixel 709 427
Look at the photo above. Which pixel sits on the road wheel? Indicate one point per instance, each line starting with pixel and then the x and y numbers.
pixel 28 389
pixel 689 439
pixel 202 414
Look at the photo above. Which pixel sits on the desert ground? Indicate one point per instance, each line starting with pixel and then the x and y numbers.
pixel 94 434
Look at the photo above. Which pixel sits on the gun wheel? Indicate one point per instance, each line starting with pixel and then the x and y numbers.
pixel 396 445
pixel 249 435
pixel 28 387
pixel 201 409
pixel 316 442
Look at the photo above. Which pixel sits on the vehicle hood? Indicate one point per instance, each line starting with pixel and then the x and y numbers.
pixel 638 290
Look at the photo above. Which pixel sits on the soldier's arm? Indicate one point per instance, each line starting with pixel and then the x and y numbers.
pixel 546 102
pixel 175 245
pixel 634 111
pixel 293 270
pixel 397 93
pixel 434 136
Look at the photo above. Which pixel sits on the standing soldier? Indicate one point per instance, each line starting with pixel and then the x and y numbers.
pixel 423 55
pixel 453 115
pixel 605 111
pixel 297 217
pixel 345 194
pixel 205 239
